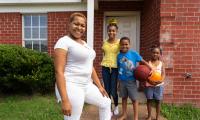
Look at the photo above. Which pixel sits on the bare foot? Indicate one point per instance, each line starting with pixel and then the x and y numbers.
pixel 122 117
pixel 149 118
pixel 157 119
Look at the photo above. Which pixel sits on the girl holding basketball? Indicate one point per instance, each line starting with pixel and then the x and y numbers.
pixel 154 90
pixel 127 60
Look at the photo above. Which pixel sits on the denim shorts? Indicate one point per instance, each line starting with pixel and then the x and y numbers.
pixel 155 92
pixel 128 89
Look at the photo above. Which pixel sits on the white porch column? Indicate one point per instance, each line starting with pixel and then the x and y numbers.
pixel 90 22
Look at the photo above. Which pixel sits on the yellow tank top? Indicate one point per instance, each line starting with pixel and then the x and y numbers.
pixel 111 51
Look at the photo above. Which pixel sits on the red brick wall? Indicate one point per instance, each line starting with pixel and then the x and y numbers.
pixel 150 26
pixel 11 28
pixel 98 38
pixel 180 39
pixel 57 27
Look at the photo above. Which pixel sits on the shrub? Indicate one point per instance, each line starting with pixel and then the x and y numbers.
pixel 24 70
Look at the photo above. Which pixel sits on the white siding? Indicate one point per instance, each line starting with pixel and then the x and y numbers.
pixel 36 1
pixel 43 8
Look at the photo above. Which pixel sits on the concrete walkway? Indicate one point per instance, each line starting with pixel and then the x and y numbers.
pixel 90 112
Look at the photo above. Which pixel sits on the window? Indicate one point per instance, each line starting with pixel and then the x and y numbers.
pixel 35 32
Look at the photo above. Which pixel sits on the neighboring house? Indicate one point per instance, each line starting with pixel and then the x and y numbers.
pixel 173 24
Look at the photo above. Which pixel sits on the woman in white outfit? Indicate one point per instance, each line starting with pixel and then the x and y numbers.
pixel 75 73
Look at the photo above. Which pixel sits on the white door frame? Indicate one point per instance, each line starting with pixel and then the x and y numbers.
pixel 90 23
pixel 125 13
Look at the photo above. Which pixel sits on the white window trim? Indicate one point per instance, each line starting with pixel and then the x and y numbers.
pixel 23 39
pixel 125 13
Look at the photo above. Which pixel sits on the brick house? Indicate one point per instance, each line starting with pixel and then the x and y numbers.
pixel 173 24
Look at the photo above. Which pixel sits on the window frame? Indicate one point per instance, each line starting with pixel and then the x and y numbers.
pixel 39 27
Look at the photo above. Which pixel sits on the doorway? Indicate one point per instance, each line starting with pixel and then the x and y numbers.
pixel 129 26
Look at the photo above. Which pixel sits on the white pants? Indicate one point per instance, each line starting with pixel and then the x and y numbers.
pixel 90 94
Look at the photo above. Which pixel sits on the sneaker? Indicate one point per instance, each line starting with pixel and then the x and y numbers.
pixel 116 110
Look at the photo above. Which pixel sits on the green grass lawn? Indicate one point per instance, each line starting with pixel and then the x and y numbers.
pixel 39 107
pixel 30 108
pixel 184 112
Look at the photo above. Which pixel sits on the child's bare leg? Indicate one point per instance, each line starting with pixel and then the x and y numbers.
pixel 135 109
pixel 149 109
pixel 124 109
pixel 158 104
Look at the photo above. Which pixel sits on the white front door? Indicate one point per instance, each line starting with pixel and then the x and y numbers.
pixel 127 27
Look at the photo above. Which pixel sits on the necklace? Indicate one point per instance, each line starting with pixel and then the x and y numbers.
pixel 155 63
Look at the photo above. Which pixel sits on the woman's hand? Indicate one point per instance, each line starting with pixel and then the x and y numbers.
pixel 66 108
pixel 103 91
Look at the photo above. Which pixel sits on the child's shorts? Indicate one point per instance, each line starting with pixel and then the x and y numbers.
pixel 128 89
pixel 155 92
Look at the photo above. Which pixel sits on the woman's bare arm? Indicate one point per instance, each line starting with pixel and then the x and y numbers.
pixel 60 57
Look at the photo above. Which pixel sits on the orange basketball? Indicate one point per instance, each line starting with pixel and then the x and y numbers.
pixel 141 72
pixel 155 77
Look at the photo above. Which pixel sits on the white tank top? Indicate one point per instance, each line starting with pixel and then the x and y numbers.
pixel 157 68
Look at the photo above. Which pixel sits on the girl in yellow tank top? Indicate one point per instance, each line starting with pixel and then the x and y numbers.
pixel 109 63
